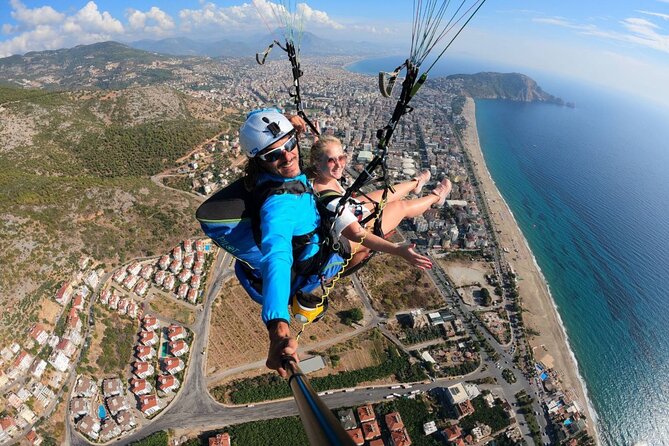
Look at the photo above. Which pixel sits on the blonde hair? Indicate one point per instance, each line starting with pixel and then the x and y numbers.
pixel 317 151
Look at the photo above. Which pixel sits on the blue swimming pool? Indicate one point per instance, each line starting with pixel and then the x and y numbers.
pixel 102 413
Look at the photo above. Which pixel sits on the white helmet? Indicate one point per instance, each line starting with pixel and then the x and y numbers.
pixel 262 128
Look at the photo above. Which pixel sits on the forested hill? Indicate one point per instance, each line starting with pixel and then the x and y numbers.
pixel 108 65
pixel 511 86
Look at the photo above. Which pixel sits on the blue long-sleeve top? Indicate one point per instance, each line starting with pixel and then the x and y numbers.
pixel 283 216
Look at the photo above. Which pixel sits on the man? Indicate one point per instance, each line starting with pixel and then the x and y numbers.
pixel 289 222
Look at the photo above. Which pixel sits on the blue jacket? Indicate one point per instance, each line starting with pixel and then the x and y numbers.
pixel 283 216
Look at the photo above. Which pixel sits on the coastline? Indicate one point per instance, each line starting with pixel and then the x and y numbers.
pixel 541 313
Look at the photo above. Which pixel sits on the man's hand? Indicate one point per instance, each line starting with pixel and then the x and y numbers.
pixel 281 344
pixel 298 123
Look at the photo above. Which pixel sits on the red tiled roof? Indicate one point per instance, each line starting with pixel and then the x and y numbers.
pixel 394 421
pixel 356 436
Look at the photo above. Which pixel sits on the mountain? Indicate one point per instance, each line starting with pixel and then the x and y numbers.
pixel 100 65
pixel 310 45
pixel 182 46
pixel 511 86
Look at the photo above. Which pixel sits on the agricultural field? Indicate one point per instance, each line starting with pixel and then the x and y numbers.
pixel 171 308
pixel 394 286
pixel 238 335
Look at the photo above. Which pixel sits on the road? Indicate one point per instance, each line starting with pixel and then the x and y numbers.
pixel 194 408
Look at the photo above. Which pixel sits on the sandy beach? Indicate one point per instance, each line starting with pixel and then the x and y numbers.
pixel 550 346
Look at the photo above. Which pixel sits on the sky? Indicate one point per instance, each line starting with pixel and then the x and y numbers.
pixel 622 45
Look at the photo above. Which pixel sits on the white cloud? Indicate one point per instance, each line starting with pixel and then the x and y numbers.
pixel 90 19
pixel 252 16
pixel 9 29
pixel 44 28
pixel 317 17
pixel 656 14
pixel 155 22
pixel 637 31
pixel 33 17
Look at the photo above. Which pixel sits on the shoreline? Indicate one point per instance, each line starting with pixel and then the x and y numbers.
pixel 541 312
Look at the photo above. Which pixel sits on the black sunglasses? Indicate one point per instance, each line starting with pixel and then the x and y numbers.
pixel 276 153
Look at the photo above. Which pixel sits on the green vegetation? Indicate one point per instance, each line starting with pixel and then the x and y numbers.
pixel 157 439
pixel 508 376
pixel 494 417
pixel 418 335
pixel 145 149
pixel 414 414
pixel 271 387
pixel 8 94
pixel 485 296
pixel 350 317
pixel 278 432
pixel 117 343
pixel 394 287
pixel 525 407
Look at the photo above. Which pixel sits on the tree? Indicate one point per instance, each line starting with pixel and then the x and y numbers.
pixel 485 295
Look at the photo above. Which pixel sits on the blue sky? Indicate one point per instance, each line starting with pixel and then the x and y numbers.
pixel 618 44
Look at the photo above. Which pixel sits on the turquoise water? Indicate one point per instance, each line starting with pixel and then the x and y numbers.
pixel 102 413
pixel 590 190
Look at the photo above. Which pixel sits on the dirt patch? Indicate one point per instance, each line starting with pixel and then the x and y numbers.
pixel 239 337
pixel 171 308
pixel 466 273
pixel 48 313
pixel 394 286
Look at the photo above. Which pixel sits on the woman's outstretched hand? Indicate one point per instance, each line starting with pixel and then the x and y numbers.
pixel 407 252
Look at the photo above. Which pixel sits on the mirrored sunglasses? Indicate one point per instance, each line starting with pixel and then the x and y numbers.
pixel 341 159
pixel 276 153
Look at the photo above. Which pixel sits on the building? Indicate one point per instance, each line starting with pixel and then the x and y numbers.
pixel 347 419
pixel 143 369
pixel 112 387
pixel 366 413
pixel 371 430
pixel 148 338
pixel 394 421
pixel 109 430
pixel 144 352
pixel 117 403
pixel 220 440
pixel 456 394
pixel 167 383
pixel 140 386
pixel 89 427
pixel 85 387
pixel 126 420
pixel 149 404
pixel 178 348
pixel 150 323
pixel 452 433
pixel 39 334
pixel 64 294
pixel 67 347
pixel 80 406
pixel 176 332
pixel 356 436
pixel 400 438
pixel 172 365
pixel 312 364
pixel 59 361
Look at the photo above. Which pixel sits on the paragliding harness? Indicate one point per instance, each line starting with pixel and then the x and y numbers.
pixel 231 218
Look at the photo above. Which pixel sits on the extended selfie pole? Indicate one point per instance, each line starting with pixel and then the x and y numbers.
pixel 322 428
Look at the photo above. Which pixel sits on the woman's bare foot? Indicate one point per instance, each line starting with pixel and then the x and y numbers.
pixel 442 190
pixel 423 178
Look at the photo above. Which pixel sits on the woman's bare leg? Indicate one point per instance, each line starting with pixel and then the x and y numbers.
pixel 401 189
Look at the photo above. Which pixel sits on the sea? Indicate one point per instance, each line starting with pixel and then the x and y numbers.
pixel 589 187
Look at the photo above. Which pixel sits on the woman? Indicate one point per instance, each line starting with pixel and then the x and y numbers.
pixel 328 162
